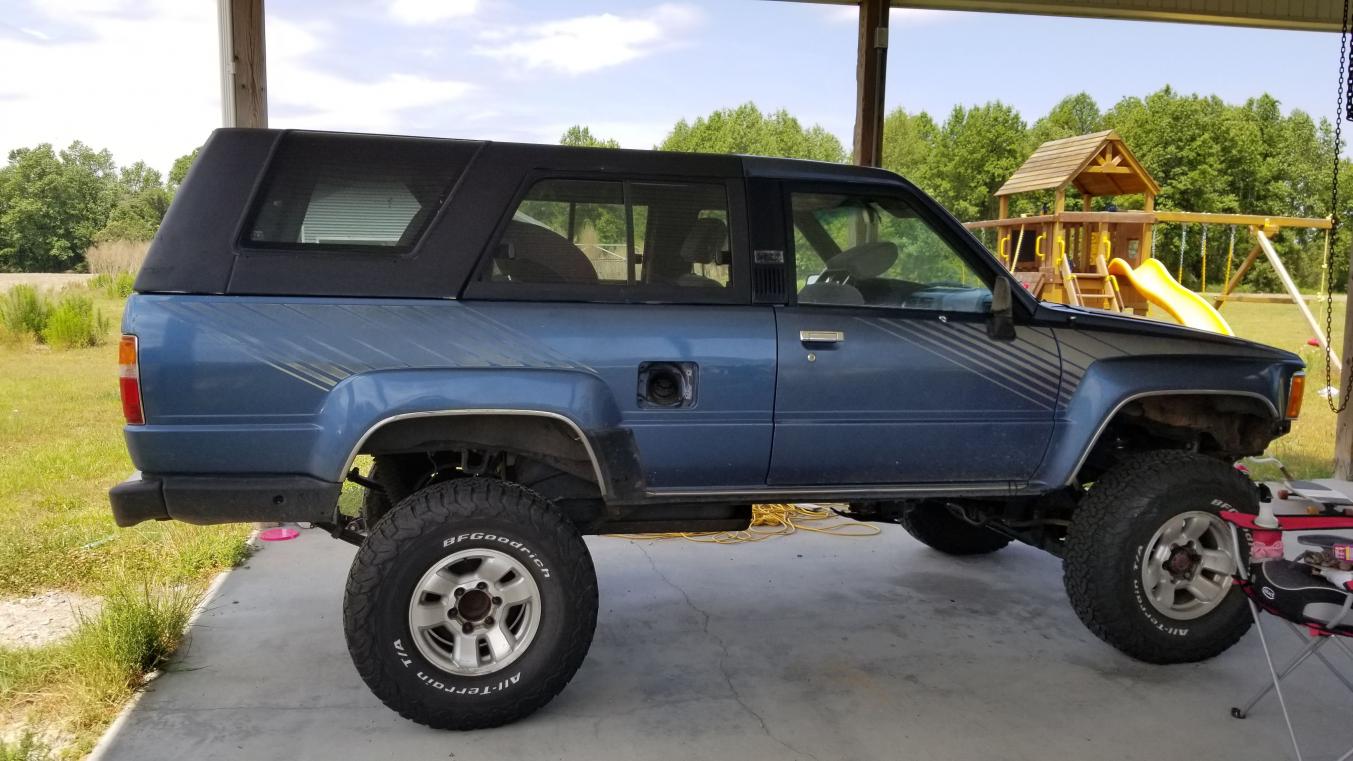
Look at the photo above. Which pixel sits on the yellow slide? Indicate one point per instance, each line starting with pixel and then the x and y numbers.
pixel 1187 307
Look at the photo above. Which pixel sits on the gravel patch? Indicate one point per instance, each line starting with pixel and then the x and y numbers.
pixel 42 618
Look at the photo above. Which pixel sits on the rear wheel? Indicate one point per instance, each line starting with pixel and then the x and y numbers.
pixel 1148 562
pixel 939 528
pixel 471 604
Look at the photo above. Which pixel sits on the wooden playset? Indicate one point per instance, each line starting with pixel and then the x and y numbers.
pixel 1104 259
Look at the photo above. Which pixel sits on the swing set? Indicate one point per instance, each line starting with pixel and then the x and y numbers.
pixel 1105 259
pixel 1262 231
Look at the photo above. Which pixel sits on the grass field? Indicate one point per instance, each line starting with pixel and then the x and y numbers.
pixel 1308 451
pixel 61 449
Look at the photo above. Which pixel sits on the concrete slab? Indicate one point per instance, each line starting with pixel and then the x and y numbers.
pixel 807 647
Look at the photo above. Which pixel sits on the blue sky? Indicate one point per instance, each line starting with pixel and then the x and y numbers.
pixel 140 76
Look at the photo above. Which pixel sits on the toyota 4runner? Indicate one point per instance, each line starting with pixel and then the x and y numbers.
pixel 535 343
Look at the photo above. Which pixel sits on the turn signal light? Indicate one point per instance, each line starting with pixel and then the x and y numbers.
pixel 129 381
pixel 1295 387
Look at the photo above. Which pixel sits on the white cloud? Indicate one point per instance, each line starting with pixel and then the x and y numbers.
pixel 840 14
pixel 850 14
pixel 138 78
pixel 141 78
pixel 430 11
pixel 918 16
pixel 588 43
pixel 304 94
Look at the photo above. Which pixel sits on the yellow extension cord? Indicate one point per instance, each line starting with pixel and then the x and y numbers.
pixel 770 521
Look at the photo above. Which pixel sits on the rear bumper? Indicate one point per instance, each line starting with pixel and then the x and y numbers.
pixel 223 499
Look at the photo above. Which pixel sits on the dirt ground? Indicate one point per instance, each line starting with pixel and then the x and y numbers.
pixel 40 279
pixel 42 618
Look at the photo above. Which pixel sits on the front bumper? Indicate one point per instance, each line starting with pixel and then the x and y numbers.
pixel 223 499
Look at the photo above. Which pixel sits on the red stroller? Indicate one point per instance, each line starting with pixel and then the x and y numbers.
pixel 1313 594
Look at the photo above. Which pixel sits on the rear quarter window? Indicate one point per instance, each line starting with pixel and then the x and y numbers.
pixel 351 193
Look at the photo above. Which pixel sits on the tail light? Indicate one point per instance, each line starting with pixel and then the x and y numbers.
pixel 129 381
pixel 1295 387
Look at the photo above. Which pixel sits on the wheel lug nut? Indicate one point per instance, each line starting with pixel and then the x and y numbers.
pixel 481 585
pixel 497 601
pixel 488 621
pixel 467 628
pixel 458 593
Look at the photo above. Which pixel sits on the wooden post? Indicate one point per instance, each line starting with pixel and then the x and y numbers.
pixel 1297 298
pixel 1236 278
pixel 870 68
pixel 1343 427
pixel 244 74
pixel 1070 290
pixel 1147 249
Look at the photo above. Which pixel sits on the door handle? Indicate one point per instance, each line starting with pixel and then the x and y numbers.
pixel 822 336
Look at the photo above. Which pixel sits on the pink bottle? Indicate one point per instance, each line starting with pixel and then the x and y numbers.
pixel 1266 545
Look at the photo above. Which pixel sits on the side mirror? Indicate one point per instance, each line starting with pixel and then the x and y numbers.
pixel 1001 320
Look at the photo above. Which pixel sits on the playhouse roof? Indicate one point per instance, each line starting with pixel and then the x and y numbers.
pixel 1098 164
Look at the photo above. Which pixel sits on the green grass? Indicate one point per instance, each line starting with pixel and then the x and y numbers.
pixel 80 683
pixel 61 449
pixel 1308 451
pixel 27 748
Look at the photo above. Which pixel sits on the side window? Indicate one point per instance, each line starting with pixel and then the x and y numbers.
pixel 646 235
pixel 351 193
pixel 567 231
pixel 878 251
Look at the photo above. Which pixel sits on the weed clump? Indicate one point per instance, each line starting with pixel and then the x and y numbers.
pixel 74 323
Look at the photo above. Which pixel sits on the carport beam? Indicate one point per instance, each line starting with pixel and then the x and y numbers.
pixel 870 69
pixel 244 74
pixel 1343 427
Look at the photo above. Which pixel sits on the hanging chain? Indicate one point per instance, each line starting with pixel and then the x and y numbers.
pixel 1343 100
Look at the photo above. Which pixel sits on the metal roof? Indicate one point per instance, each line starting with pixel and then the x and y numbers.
pixel 1309 15
pixel 1098 164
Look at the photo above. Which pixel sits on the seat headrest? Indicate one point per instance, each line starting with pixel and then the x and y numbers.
pixel 707 238
pixel 865 261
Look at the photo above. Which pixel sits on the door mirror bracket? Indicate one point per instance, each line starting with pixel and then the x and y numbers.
pixel 1001 319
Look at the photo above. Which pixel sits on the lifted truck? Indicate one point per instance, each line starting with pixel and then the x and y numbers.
pixel 537 343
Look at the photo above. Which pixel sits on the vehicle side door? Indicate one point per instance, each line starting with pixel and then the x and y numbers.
pixel 642 280
pixel 887 372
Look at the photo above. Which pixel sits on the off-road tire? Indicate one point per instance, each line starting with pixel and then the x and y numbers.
pixel 1107 541
pixel 422 530
pixel 939 529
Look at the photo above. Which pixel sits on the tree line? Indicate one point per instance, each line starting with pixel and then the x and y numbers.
pixel 55 204
pixel 1207 155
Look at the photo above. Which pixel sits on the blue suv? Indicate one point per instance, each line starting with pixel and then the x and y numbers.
pixel 536 343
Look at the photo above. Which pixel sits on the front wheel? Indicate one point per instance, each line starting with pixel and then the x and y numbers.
pixel 471 604
pixel 1148 562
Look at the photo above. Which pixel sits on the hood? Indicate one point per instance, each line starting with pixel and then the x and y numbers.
pixel 1084 318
